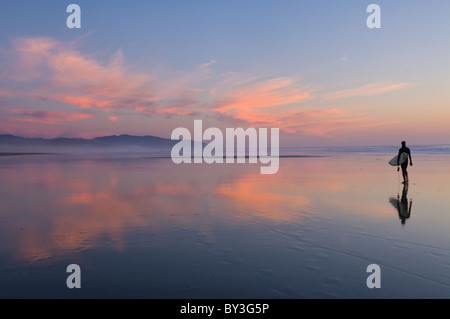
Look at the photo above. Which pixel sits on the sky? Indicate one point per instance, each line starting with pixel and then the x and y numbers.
pixel 313 69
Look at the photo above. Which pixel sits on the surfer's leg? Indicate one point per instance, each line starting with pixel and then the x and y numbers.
pixel 405 172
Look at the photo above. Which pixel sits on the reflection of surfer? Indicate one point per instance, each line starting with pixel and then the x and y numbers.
pixel 404 210
pixel 404 165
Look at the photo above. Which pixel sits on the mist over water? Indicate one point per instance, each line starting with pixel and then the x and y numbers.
pixel 418 149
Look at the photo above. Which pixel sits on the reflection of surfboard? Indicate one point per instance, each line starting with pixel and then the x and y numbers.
pixel 403 158
pixel 394 201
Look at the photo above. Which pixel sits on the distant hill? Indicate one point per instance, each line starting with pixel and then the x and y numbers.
pixel 113 143
pixel 143 141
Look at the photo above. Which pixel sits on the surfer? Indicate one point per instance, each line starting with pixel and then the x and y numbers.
pixel 404 165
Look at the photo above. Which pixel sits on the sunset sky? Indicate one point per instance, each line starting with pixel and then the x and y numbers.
pixel 311 68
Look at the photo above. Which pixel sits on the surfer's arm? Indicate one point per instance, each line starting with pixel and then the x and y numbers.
pixel 410 158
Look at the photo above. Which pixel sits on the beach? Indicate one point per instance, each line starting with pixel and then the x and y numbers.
pixel 142 227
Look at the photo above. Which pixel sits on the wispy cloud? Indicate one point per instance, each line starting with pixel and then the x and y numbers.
pixel 48 69
pixel 61 73
pixel 261 101
pixel 47 117
pixel 330 126
pixel 58 71
pixel 345 58
pixel 367 90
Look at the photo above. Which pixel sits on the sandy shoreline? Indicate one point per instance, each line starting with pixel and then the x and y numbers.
pixel 154 229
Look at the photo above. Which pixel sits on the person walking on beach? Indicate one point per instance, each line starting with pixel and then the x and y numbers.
pixel 404 165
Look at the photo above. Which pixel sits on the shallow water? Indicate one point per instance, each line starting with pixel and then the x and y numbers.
pixel 146 228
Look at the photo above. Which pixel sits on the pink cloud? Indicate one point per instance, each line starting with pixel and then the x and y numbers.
pixel 328 126
pixel 4 92
pixel 367 90
pixel 61 73
pixel 58 71
pixel 268 93
pixel 263 101
pixel 47 117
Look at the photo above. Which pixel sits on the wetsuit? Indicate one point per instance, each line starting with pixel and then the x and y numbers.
pixel 407 151
pixel 404 165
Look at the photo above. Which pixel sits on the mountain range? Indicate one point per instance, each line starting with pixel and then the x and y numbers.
pixel 113 143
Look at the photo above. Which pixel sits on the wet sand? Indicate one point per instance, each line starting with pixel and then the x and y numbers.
pixel 147 228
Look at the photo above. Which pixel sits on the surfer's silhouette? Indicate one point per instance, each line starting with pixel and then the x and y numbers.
pixel 402 205
pixel 404 165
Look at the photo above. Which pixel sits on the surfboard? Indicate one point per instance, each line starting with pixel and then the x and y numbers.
pixel 403 158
